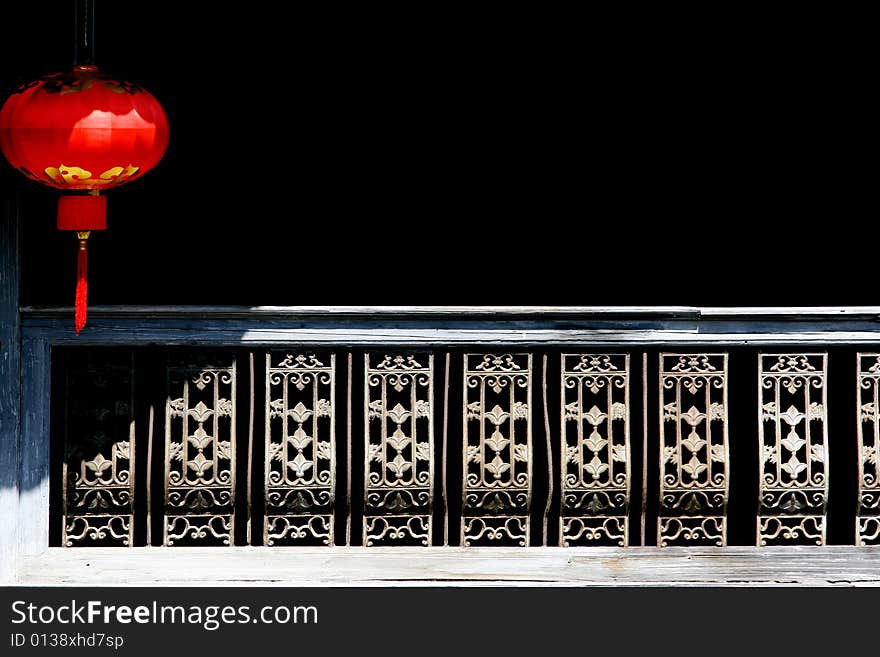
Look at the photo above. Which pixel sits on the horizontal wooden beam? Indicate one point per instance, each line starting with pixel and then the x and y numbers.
pixel 451 325
pixel 693 312
pixel 357 566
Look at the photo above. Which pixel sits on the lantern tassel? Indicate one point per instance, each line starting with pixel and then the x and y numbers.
pixel 82 281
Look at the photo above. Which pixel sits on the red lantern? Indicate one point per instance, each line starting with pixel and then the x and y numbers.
pixel 82 131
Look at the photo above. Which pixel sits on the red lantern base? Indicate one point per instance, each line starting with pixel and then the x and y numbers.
pixel 82 214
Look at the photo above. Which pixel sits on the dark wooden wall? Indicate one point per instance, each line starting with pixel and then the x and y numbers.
pixel 456 158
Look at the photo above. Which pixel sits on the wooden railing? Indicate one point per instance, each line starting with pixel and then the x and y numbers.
pixel 640 428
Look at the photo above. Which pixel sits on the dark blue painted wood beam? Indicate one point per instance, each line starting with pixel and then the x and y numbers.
pixel 10 388
pixel 442 326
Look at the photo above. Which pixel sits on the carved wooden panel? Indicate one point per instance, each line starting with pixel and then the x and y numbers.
pixel 99 454
pixel 868 519
pixel 595 450
pixel 694 462
pixel 793 438
pixel 399 448
pixel 497 451
pixel 300 473
pixel 200 453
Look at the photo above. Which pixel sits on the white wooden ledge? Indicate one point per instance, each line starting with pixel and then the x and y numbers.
pixel 357 566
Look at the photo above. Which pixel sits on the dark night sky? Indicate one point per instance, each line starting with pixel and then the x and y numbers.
pixel 460 159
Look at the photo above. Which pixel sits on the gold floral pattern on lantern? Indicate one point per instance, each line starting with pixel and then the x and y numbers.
pixel 79 177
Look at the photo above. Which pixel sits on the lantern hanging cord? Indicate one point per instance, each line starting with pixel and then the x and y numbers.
pixel 84 33
pixel 83 55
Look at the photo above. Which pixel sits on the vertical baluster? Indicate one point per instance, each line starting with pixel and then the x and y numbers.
pixel 868 390
pixel 200 454
pixel 99 453
pixel 694 477
pixel 300 471
pixel 398 449
pixel 793 457
pixel 595 450
pixel 497 459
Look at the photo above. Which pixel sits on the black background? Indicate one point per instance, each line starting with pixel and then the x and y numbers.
pixel 444 156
